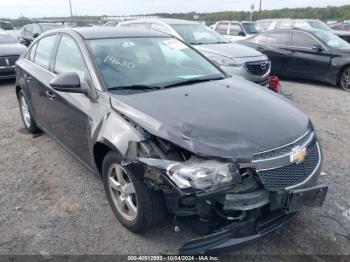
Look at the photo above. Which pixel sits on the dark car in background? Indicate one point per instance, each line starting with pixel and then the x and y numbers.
pixel 169 131
pixel 306 54
pixel 307 24
pixel 10 51
pixel 29 32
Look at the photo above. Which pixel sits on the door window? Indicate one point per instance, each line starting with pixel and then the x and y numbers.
pixel 69 59
pixel 301 39
pixel 278 38
pixel 44 51
pixel 236 29
pixel 222 28
pixel 32 52
pixel 36 29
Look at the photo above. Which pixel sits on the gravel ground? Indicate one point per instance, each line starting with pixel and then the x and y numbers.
pixel 50 204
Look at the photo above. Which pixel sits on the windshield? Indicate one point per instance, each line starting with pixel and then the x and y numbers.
pixel 319 25
pixel 333 40
pixel 196 34
pixel 153 62
pixel 252 28
pixel 49 27
pixel 6 39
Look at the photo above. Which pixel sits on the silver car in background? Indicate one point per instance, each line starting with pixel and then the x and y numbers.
pixel 235 59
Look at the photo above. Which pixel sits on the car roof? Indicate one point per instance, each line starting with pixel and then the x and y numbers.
pixel 308 30
pixel 111 32
pixel 168 21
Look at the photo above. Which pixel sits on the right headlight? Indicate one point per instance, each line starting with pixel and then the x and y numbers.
pixel 197 175
pixel 221 60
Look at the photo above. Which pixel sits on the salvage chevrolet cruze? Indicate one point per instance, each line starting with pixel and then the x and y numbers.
pixel 170 132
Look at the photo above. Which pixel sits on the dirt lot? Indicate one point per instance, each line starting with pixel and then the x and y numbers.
pixel 50 204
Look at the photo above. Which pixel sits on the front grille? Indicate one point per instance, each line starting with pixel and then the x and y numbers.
pixel 258 67
pixel 8 60
pixel 284 149
pixel 292 174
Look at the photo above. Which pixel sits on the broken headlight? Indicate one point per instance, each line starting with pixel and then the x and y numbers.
pixel 197 175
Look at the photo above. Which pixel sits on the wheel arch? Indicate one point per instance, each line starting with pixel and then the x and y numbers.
pixel 341 70
pixel 100 150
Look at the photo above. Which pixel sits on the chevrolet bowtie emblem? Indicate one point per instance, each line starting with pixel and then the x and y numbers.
pixel 298 155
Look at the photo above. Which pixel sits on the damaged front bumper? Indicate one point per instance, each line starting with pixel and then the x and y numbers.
pixel 242 233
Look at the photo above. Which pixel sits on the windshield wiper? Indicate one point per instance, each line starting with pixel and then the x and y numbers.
pixel 193 81
pixel 135 87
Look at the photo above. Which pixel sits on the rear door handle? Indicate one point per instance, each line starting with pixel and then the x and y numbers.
pixel 27 77
pixel 50 95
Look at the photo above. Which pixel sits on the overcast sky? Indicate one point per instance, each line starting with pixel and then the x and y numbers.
pixel 41 8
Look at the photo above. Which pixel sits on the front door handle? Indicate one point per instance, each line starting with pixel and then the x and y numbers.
pixel 27 77
pixel 50 95
pixel 291 52
pixel 261 49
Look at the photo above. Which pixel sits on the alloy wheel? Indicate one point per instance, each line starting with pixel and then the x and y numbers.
pixel 123 192
pixel 346 79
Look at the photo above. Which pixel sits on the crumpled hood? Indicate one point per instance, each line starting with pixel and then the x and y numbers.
pixel 11 49
pixel 229 50
pixel 211 119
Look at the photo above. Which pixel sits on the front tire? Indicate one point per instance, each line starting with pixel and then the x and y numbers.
pixel 27 117
pixel 344 80
pixel 135 206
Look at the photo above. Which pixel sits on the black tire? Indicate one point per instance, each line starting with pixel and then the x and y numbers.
pixel 150 204
pixel 30 124
pixel 344 80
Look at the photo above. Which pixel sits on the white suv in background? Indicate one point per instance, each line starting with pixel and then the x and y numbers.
pixel 234 30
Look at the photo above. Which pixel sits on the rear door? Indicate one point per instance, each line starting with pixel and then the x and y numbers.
pixel 38 77
pixel 275 46
pixel 305 61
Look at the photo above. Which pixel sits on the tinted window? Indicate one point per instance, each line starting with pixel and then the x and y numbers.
pixel 300 39
pixel 44 50
pixel 222 28
pixel 235 29
pixel 69 58
pixel 278 38
pixel 6 26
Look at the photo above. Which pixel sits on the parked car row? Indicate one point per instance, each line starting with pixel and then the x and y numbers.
pixel 169 131
pixel 307 54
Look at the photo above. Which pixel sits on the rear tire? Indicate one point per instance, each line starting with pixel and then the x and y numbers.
pixel 136 206
pixel 27 118
pixel 344 80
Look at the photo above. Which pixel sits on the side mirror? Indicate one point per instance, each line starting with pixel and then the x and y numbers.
pixel 241 33
pixel 68 82
pixel 35 35
pixel 317 48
